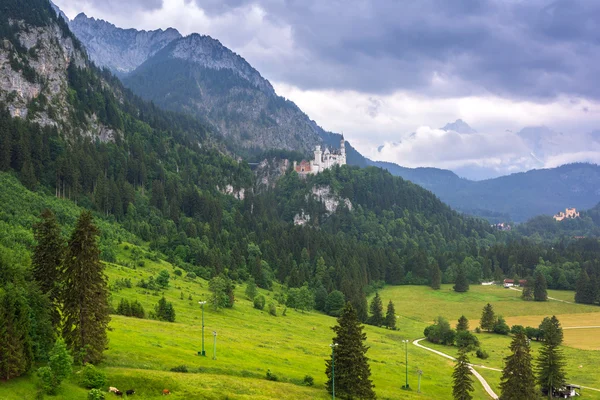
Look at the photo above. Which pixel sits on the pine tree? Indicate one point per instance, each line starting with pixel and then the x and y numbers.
pixel 376 311
pixel 551 363
pixel 436 277
pixel 47 260
pixel 540 287
pixel 488 318
pixel 85 295
pixel 461 284
pixel 527 294
pixel 352 371
pixel 518 381
pixel 15 343
pixel 28 175
pixel 463 324
pixel 462 378
pixel 582 293
pixel 390 316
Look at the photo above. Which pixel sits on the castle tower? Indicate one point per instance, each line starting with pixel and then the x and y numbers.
pixel 318 158
pixel 343 151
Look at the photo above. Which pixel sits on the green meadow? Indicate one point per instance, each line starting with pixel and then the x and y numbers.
pixel 251 342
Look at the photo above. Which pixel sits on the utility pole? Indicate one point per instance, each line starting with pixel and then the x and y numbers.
pixel 202 353
pixel 419 372
pixel 406 387
pixel 333 346
pixel 215 345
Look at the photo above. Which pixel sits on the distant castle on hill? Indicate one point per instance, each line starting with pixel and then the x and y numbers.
pixel 570 213
pixel 323 160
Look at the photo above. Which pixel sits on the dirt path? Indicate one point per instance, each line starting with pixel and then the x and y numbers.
pixel 480 378
pixel 484 383
pixel 549 298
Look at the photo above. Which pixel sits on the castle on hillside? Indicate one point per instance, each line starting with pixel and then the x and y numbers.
pixel 569 213
pixel 323 160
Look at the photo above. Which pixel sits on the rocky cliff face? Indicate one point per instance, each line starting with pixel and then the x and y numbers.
pixel 120 50
pixel 37 73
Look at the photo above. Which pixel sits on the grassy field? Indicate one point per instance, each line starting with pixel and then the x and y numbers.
pixel 581 363
pixel 250 342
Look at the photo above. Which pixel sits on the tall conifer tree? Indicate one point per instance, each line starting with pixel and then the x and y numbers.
pixel 582 294
pixel 518 381
pixel 462 378
pixel 461 284
pixel 47 260
pixel 352 371
pixel 551 362
pixel 463 324
pixel 488 318
pixel 436 277
pixel 390 316
pixel 85 296
pixel 539 287
pixel 376 311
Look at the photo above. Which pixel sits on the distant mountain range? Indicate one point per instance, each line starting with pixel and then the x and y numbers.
pixel 198 75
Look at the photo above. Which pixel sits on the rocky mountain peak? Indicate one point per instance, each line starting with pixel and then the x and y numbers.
pixel 120 50
pixel 210 53
pixel 459 126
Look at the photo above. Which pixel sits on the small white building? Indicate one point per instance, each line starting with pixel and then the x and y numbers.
pixel 323 160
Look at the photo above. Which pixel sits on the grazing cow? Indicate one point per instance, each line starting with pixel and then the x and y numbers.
pixel 119 393
pixel 113 389
pixel 130 392
pixel 166 392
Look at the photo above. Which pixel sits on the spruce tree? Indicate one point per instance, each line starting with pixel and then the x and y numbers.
pixel 551 362
pixel 376 311
pixel 527 294
pixel 47 261
pixel 85 295
pixel 390 316
pixel 540 287
pixel 582 292
pixel 462 377
pixel 488 318
pixel 16 353
pixel 463 324
pixel 352 371
pixel 436 277
pixel 461 283
pixel 518 380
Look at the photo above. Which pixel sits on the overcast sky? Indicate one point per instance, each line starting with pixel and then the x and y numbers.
pixel 392 72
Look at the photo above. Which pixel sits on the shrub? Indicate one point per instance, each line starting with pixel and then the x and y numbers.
pixel 440 332
pixel 273 309
pixel 95 394
pixel 163 278
pixel 478 330
pixel 49 381
pixel 482 354
pixel 270 376
pixel 191 275
pixel 466 340
pixel 178 272
pixel 309 380
pixel 501 327
pixel 517 329
pixel 92 377
pixel 133 309
pixel 164 310
pixel 180 368
pixel 259 302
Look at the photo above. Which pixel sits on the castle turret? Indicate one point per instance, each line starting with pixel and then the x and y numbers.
pixel 343 150
pixel 318 158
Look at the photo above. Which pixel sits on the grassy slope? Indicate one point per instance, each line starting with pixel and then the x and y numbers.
pixel 451 305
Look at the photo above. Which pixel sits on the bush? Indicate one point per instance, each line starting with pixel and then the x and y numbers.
pixel 95 394
pixel 482 354
pixel 49 381
pixel 259 302
pixel 180 368
pixel 191 275
pixel 309 380
pixel 92 377
pixel 273 309
pixel 270 376
pixel 178 272
pixel 164 310
pixel 440 332
pixel 163 278
pixel 466 340
pixel 501 327
pixel 478 330
pixel 517 329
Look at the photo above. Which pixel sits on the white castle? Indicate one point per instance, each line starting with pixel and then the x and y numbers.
pixel 323 160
